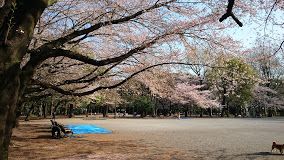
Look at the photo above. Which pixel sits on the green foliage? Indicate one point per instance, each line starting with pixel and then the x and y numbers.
pixel 143 104
pixel 99 100
pixel 84 104
pixel 233 79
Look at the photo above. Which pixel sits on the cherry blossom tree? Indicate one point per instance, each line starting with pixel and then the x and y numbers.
pixel 190 93
pixel 265 101
pixel 269 66
pixel 179 88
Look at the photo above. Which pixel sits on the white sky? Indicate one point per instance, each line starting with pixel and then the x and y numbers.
pixel 253 28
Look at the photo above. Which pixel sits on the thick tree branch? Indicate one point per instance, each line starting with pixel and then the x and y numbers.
pixel 38 56
pixel 84 80
pixel 229 13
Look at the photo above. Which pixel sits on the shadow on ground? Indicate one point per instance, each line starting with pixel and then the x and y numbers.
pixel 266 154
pixel 252 156
pixel 223 154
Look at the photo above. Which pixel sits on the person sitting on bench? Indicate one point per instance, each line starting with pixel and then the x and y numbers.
pixel 58 128
pixel 55 131
pixel 63 129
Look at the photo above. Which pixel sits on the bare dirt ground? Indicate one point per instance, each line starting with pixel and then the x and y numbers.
pixel 161 139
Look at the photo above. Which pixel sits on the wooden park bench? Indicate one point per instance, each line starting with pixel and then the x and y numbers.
pixel 57 129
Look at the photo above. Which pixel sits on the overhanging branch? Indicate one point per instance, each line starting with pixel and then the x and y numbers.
pixel 84 80
pixel 38 56
pixel 65 92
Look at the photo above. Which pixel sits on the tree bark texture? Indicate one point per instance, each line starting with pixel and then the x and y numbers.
pixel 17 21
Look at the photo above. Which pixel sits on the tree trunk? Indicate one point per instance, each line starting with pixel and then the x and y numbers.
pixel 17 21
pixel 30 110
pixel 66 109
pixel 70 114
pixel 9 93
pixel 191 110
pixel 201 112
pixel 51 108
pixel 186 111
pixel 210 111
pixel 43 110
pixel 115 112
pixel 223 102
pixel 154 114
pixel 105 111
pixel 170 106
pixel 40 110
pixel 227 109
pixel 54 112
pixel 87 112
pixel 154 99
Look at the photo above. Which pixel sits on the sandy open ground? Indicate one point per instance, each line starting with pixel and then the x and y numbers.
pixel 153 139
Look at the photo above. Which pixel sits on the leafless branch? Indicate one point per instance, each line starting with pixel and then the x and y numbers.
pixel 229 13
pixel 65 92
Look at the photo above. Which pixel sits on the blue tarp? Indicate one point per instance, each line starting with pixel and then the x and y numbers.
pixel 87 129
